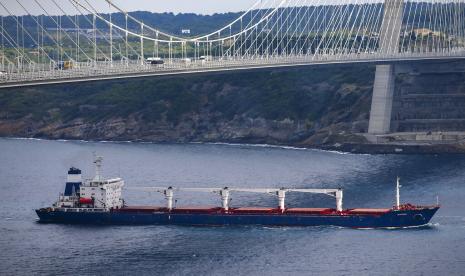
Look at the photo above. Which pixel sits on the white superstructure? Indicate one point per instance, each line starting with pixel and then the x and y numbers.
pixel 103 193
pixel 97 192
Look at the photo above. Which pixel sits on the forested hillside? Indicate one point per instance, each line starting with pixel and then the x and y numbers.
pixel 299 106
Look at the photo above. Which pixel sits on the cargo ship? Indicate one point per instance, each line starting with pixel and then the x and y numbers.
pixel 98 201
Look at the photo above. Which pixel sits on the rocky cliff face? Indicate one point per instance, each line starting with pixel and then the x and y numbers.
pixel 325 107
pixel 311 106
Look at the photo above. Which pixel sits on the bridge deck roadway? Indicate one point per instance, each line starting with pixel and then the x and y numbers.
pixel 89 75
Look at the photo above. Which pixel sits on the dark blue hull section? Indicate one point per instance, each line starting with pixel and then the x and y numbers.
pixel 407 218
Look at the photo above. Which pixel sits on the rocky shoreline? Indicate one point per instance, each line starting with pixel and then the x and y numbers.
pixel 399 149
pixel 316 107
pixel 352 148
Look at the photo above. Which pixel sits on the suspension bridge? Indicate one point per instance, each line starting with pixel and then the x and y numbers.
pixel 85 43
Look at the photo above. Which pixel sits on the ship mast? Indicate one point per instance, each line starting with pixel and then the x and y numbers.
pixel 398 193
pixel 98 168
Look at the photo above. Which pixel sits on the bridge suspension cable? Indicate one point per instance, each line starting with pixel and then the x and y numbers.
pixel 87 42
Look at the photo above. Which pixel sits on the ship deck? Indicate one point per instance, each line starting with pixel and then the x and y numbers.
pixel 252 210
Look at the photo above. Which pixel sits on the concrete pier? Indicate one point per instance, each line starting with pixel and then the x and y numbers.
pixel 381 104
pixel 383 90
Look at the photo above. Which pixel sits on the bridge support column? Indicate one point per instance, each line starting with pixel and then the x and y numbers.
pixel 381 104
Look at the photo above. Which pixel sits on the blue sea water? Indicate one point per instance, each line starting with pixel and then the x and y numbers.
pixel 33 172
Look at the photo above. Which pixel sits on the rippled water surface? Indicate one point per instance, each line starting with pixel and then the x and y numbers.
pixel 32 173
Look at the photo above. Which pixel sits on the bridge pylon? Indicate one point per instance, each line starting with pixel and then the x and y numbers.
pixel 383 88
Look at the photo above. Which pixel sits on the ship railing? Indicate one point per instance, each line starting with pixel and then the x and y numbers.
pixel 68 198
pixel 77 210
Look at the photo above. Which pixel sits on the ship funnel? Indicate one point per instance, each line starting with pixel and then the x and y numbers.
pixel 73 182
pixel 74 175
